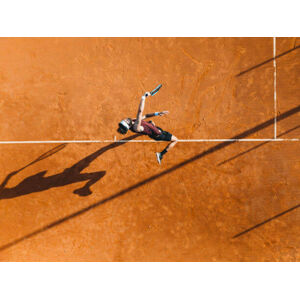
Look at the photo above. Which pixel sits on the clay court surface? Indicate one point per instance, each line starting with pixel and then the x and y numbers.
pixel 208 201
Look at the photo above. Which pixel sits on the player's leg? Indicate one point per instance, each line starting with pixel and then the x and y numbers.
pixel 173 142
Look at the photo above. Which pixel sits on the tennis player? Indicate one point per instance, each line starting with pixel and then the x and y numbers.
pixel 138 125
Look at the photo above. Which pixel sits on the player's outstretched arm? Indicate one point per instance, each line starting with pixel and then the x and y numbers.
pixel 139 117
pixel 155 114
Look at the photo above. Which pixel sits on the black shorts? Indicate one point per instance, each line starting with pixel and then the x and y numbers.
pixel 164 136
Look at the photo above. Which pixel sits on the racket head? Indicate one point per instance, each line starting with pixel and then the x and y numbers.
pixel 45 155
pixel 155 90
pixel 51 152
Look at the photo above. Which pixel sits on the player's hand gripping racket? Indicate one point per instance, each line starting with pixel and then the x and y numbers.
pixel 155 90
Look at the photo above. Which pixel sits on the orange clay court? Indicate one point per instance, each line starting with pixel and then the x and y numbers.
pixel 228 191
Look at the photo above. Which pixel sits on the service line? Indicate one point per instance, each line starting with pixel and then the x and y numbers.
pixel 137 141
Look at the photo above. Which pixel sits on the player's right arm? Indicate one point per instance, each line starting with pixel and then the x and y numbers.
pixel 155 114
pixel 139 117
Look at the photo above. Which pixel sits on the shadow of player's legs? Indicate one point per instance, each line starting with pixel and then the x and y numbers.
pixel 92 179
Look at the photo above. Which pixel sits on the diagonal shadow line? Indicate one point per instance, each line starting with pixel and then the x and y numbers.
pixel 267 61
pixel 257 146
pixel 154 177
pixel 266 221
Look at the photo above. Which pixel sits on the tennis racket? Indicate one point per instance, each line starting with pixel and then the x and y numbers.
pixel 155 90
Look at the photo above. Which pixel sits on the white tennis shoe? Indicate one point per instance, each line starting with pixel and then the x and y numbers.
pixel 158 157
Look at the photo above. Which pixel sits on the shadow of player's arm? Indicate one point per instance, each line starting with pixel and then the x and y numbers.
pixel 85 162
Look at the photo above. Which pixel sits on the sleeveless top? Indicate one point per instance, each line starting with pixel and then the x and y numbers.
pixel 149 129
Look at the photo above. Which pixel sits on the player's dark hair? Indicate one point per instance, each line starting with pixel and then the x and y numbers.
pixel 124 126
pixel 121 130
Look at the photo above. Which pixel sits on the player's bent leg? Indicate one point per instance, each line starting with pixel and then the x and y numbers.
pixel 173 142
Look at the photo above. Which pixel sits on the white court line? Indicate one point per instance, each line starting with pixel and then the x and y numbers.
pixel 181 140
pixel 275 94
pixel 137 141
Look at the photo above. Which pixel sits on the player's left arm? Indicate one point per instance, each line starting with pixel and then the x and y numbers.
pixel 155 114
pixel 139 117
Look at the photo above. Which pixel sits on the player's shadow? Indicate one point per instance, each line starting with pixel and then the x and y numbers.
pixel 39 182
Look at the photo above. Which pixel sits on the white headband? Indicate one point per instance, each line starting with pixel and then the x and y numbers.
pixel 125 124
